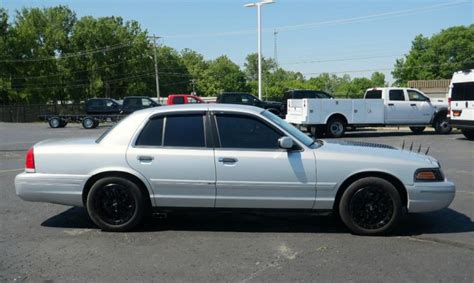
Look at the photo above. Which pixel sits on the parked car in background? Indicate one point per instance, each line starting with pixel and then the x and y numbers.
pixel 183 99
pixel 103 106
pixel 389 106
pixel 248 99
pixel 133 103
pixel 300 94
pixel 461 102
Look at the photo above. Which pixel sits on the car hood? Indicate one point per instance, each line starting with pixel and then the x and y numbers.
pixel 378 152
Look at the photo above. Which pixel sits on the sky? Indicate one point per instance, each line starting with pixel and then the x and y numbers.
pixel 356 37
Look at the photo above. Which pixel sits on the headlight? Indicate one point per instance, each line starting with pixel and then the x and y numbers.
pixel 429 175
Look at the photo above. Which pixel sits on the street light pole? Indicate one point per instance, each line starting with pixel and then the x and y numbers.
pixel 155 58
pixel 258 5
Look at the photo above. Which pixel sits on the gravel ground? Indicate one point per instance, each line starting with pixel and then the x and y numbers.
pixel 51 242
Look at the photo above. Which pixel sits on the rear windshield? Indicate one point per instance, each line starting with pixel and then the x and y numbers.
pixel 373 94
pixel 462 91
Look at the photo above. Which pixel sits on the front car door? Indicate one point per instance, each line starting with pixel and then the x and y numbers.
pixel 173 153
pixel 397 109
pixel 421 109
pixel 253 172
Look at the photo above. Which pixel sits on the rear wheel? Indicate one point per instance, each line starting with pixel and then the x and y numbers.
pixel 336 127
pixel 88 123
pixel 417 130
pixel 468 133
pixel 115 204
pixel 442 126
pixel 370 206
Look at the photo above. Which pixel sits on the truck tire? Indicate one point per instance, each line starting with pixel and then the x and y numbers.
pixel 335 128
pixel 468 133
pixel 54 122
pixel 88 123
pixel 370 206
pixel 442 126
pixel 417 130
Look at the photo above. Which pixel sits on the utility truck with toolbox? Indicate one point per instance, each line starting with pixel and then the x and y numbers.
pixel 388 106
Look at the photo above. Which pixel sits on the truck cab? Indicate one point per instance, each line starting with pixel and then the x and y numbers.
pixel 248 99
pixel 461 102
pixel 102 106
pixel 183 99
pixel 134 103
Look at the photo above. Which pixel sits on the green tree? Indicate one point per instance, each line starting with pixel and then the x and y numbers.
pixel 251 66
pixel 223 75
pixel 196 66
pixel 437 57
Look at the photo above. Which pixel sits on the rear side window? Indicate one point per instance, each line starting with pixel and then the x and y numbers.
pixel 178 100
pixel 237 131
pixel 184 131
pixel 462 91
pixel 152 133
pixel 373 94
pixel 396 94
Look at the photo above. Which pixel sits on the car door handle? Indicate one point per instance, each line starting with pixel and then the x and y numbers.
pixel 227 159
pixel 391 104
pixel 413 104
pixel 145 158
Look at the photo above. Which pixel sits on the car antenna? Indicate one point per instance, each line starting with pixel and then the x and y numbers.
pixel 411 146
pixel 419 148
pixel 427 150
pixel 403 145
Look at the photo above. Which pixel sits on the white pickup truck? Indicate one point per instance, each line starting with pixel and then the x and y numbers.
pixel 389 106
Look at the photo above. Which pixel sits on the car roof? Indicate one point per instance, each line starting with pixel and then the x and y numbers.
pixel 201 107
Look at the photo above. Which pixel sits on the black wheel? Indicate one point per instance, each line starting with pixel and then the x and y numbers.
pixel 442 126
pixel 316 131
pixel 370 206
pixel 88 123
pixel 55 122
pixel 336 127
pixel 468 133
pixel 115 204
pixel 417 130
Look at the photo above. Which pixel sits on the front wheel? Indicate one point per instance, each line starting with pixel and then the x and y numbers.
pixel 336 128
pixel 89 123
pixel 442 126
pixel 115 204
pixel 417 130
pixel 55 122
pixel 370 206
pixel 469 134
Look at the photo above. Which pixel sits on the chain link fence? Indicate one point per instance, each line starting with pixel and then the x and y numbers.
pixel 29 112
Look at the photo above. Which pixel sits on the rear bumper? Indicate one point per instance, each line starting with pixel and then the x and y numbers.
pixel 426 197
pixel 52 188
pixel 461 124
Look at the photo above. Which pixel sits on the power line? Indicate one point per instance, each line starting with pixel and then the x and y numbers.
pixel 341 59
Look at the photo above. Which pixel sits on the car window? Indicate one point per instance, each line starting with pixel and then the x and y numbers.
pixel 192 100
pixel 109 103
pixel 462 91
pixel 396 94
pixel 178 100
pixel 133 102
pixel 247 99
pixel 152 133
pixel 414 95
pixel 373 94
pixel 146 102
pixel 184 130
pixel 240 131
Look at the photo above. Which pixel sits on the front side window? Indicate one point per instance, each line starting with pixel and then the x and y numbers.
pixel 247 99
pixel 414 95
pixel 184 131
pixel 396 95
pixel 146 102
pixel 240 131
pixel 192 100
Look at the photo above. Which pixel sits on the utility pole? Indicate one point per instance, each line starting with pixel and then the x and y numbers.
pixel 275 54
pixel 157 78
pixel 193 83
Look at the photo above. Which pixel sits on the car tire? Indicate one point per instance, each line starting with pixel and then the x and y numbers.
pixel 335 128
pixel 370 206
pixel 54 122
pixel 88 123
pixel 442 126
pixel 468 133
pixel 417 130
pixel 115 204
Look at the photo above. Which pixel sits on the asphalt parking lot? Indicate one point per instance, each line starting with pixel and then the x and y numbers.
pixel 50 242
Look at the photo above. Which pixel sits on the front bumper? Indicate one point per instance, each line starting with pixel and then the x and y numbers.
pixel 52 188
pixel 430 196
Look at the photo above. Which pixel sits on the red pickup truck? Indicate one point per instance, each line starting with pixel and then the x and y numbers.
pixel 183 99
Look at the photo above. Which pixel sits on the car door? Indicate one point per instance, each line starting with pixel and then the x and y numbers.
pixel 421 109
pixel 172 153
pixel 253 172
pixel 397 109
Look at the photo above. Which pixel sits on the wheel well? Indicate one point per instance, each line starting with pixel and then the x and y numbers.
pixel 440 114
pixel 128 176
pixel 337 115
pixel 390 178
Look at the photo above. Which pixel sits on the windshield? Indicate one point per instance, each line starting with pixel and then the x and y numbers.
pixel 300 136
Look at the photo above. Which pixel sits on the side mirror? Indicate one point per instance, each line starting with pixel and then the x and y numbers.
pixel 285 142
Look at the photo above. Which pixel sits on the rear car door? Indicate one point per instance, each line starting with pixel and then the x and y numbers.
pixel 462 102
pixel 253 172
pixel 172 152
pixel 397 109
pixel 421 109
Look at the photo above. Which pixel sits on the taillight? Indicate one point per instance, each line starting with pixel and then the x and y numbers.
pixel 30 161
pixel 449 107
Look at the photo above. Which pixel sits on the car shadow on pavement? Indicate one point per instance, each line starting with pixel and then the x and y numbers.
pixel 446 221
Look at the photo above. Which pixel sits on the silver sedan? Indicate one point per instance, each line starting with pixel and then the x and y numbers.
pixel 229 157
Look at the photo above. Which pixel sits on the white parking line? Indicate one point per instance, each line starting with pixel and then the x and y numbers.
pixel 11 170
